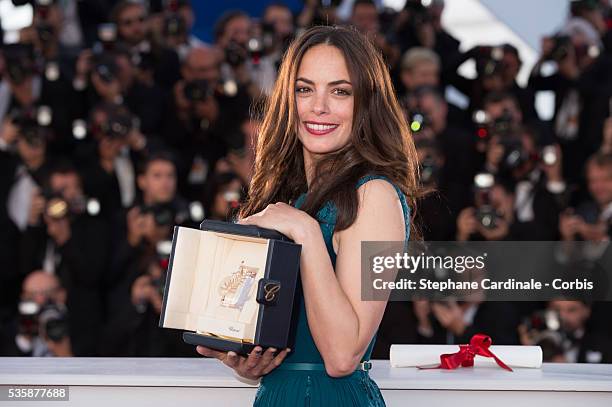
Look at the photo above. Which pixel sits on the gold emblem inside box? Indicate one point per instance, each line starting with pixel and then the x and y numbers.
pixel 213 284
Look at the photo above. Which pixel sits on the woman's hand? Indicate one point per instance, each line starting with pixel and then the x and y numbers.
pixel 253 367
pixel 292 222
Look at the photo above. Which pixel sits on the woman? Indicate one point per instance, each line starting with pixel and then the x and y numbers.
pixel 335 144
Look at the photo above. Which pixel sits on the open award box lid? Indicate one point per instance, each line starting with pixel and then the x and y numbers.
pixel 231 287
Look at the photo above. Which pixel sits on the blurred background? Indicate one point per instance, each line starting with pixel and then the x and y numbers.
pixel 121 119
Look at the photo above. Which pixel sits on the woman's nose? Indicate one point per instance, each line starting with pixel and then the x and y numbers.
pixel 320 105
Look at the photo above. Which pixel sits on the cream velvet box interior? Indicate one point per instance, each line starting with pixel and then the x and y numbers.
pixel 218 283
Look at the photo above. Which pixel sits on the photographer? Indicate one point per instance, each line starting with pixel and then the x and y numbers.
pixel 497 68
pixel 223 194
pixel 428 119
pixel 109 155
pixel 592 220
pixel 366 20
pixel 419 24
pixel 241 44
pixel 531 165
pixel 172 27
pixel 565 333
pixel 23 150
pixel 276 31
pixel 138 266
pixel 204 120
pixel 66 237
pixel 581 83
pixel 111 77
pixel 157 210
pixel 492 215
pixel 27 84
pixel 131 21
pixel 42 326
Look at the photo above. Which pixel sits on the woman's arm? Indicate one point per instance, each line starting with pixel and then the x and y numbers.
pixel 341 324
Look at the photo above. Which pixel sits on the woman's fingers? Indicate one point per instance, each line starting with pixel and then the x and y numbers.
pixel 232 360
pixel 276 362
pixel 254 358
pixel 267 357
pixel 211 353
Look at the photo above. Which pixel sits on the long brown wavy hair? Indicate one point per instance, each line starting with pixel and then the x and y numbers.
pixel 380 141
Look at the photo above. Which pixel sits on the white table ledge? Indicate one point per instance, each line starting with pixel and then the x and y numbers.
pixel 156 381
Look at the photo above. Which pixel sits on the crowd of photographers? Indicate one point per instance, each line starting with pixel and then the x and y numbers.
pixel 117 124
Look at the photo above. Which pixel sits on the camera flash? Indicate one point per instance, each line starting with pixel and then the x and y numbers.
pixel 196 211
pixel 93 207
pixel 79 129
pixel 484 180
pixel 44 115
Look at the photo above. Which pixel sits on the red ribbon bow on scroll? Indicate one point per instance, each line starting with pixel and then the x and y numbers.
pixel 479 345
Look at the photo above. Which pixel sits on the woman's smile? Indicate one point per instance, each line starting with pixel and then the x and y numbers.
pixel 320 129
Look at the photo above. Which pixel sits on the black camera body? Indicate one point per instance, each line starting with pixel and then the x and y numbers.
pixel 487 216
pixel 20 62
pixel 489 61
pixel 197 91
pixel 105 66
pixel 235 55
pixel 174 25
pixel 118 124
pixel 164 214
pixel 561 48
pixel 49 320
pixel 32 123
pixel 418 121
pixel 429 170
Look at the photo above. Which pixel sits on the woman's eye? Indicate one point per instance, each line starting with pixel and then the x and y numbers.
pixel 341 92
pixel 302 89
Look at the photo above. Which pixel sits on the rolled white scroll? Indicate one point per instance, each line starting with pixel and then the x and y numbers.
pixel 429 355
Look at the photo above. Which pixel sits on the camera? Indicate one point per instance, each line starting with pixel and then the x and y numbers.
pixel 119 124
pixel 486 214
pixel 418 121
pixel 197 90
pixel 20 62
pixel 49 320
pixel 430 167
pixel 508 135
pixel 561 48
pixel 105 67
pixel 486 126
pixel 489 60
pixel 174 25
pixel 514 153
pixel 544 328
pixel 53 322
pixel 58 208
pixel 549 155
pixel 32 123
pixel 164 214
pixel 235 55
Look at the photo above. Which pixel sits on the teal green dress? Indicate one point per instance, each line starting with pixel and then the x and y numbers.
pixel 313 387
